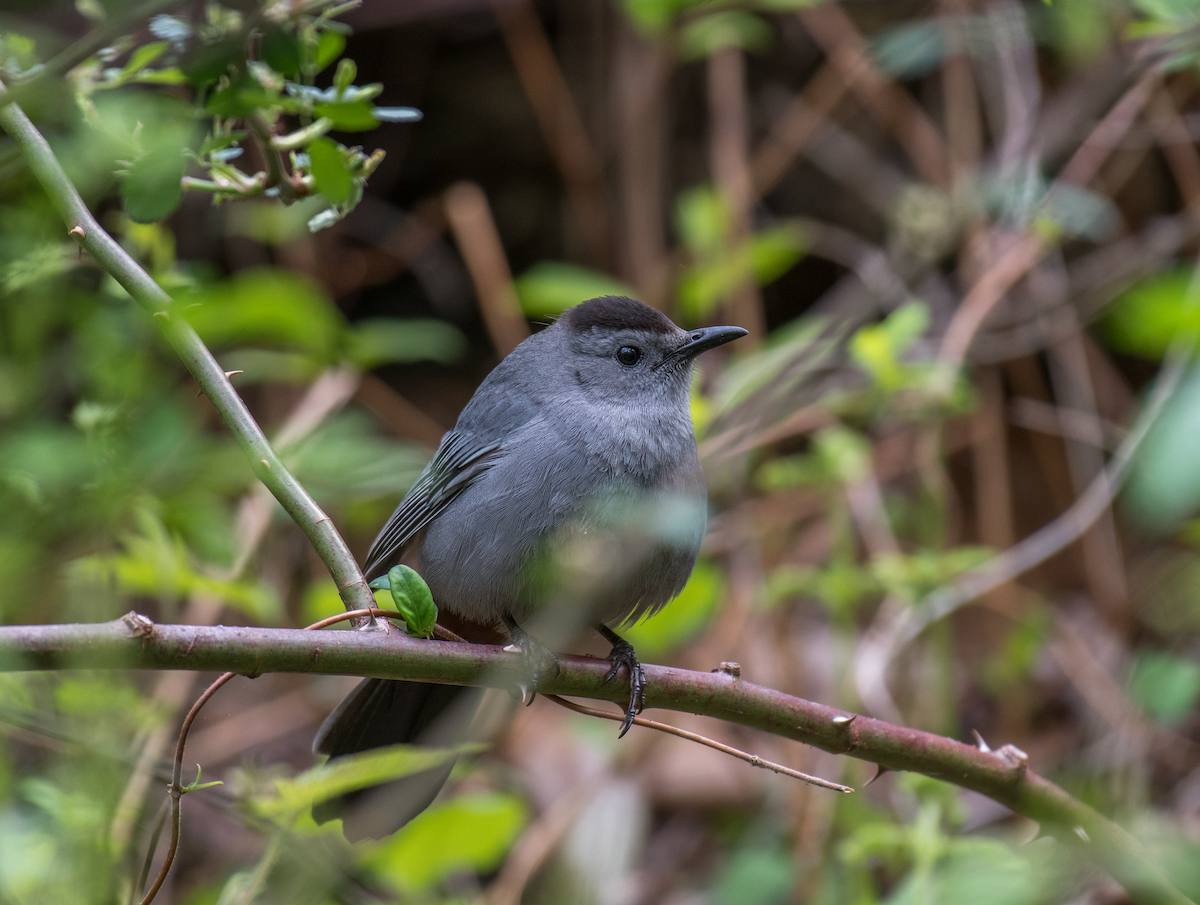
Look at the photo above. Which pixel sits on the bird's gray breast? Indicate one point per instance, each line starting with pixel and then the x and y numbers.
pixel 600 518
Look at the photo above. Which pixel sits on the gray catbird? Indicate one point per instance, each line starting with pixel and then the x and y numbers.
pixel 568 494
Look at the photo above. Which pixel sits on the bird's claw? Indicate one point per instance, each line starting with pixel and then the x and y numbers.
pixel 623 656
pixel 539 660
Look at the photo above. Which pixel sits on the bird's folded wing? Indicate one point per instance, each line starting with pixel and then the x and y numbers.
pixel 458 461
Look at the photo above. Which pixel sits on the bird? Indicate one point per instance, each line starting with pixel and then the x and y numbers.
pixel 568 495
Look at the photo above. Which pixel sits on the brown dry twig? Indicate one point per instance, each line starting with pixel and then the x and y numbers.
pixel 752 759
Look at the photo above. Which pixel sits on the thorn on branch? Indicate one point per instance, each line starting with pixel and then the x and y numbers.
pixel 139 626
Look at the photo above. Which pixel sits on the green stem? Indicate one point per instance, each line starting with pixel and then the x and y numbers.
pixel 82 226
pixel 133 642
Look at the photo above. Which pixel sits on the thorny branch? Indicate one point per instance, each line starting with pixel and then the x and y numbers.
pixel 1003 775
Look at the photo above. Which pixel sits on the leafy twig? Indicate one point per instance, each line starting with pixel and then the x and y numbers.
pixel 266 465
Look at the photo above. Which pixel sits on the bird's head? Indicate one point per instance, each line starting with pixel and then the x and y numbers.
pixel 624 351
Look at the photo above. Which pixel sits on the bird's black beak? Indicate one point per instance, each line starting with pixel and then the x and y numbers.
pixel 702 340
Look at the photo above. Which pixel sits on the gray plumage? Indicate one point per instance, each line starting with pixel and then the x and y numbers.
pixel 568 494
pixel 556 433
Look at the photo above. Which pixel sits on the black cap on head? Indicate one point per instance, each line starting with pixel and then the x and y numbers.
pixel 616 312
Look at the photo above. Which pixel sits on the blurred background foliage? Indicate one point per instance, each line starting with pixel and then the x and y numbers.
pixel 840 178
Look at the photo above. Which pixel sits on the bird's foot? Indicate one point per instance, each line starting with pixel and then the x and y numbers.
pixel 623 656
pixel 540 661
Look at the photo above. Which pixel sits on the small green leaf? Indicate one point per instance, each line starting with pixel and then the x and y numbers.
pixel 151 189
pixel 144 56
pixel 352 116
pixel 1165 686
pixel 551 287
pixel 378 341
pixel 413 601
pixel 197 784
pixel 685 618
pixel 1164 483
pixel 281 51
pixel 736 28
pixel 329 47
pixel 472 832
pixel 333 177
pixel 1149 315
pixel 347 72
pixel 353 772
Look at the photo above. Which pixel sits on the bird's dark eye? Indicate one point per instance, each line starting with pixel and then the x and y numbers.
pixel 629 355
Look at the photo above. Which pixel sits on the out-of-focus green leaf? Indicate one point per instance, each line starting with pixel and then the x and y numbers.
pixel 727 28
pixel 684 618
pixel 151 188
pixel 702 219
pixel 270 307
pixel 1165 686
pixel 329 47
pixel 352 772
pixel 472 833
pixel 551 287
pixel 878 348
pixel 346 459
pixel 155 564
pixel 1164 484
pixel 1150 315
pixel 269 221
pixel 348 117
pixel 913 576
pixel 281 50
pixel 377 341
pixel 756 876
pixel 241 98
pixel 329 169
pixel 775 250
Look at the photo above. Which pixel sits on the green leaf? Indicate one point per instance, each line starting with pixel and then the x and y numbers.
pixel 1148 316
pixel 330 171
pixel 551 287
pixel 878 348
pixel 756 876
pixel 242 98
pixel 702 219
pixel 329 47
pixel 472 832
pixel 774 251
pixel 281 50
pixel 684 618
pixel 352 116
pixel 144 56
pixel 1164 484
pixel 413 601
pixel 276 308
pixel 385 340
pixel 343 78
pixel 208 62
pixel 352 772
pixel 735 28
pixel 151 189
pixel 1165 686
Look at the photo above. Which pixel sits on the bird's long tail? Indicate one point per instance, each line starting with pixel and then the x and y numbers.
pixel 382 712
